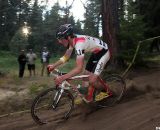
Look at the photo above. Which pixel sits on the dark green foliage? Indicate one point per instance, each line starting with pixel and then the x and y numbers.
pixel 132 28
pixel 43 25
pixel 150 10
pixel 35 22
pixel 92 18
pixel 8 62
pixel 141 22
pixel 13 14
pixel 18 42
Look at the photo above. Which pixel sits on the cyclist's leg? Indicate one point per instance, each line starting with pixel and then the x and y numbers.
pixel 102 59
pixel 91 64
pixel 85 82
pixel 99 68
pixel 96 64
pixel 91 80
pixel 101 63
pixel 89 68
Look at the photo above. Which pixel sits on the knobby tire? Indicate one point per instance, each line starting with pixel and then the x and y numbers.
pixel 117 86
pixel 42 110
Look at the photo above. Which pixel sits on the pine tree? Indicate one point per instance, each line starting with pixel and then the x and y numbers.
pixel 150 10
pixel 132 30
pixel 13 15
pixel 92 14
pixel 35 22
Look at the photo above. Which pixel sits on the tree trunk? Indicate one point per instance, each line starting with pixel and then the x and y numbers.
pixel 110 25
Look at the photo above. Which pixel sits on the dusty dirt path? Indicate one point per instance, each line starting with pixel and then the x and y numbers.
pixel 139 110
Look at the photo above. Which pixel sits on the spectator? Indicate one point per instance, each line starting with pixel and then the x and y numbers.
pixel 22 59
pixel 31 57
pixel 45 56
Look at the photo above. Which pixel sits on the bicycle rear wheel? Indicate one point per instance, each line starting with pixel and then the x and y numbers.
pixel 116 88
pixel 45 107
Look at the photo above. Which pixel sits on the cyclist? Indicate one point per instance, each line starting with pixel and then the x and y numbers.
pixel 82 44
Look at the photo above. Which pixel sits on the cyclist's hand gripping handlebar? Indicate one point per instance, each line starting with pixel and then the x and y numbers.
pixel 50 68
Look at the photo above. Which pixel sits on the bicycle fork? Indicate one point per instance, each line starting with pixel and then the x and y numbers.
pixel 57 98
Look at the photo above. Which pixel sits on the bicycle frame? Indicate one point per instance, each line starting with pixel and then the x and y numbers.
pixel 62 99
pixel 66 85
pixel 105 85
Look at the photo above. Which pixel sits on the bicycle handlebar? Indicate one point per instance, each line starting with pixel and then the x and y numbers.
pixel 57 72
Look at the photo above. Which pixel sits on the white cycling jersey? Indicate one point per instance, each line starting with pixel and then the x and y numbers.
pixel 85 43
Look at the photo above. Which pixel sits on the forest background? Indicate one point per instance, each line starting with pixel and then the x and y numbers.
pixel 128 23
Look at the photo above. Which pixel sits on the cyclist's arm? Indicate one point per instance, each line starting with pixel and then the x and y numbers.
pixel 78 69
pixel 65 58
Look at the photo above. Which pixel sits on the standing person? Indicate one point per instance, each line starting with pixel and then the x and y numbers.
pixel 31 57
pixel 22 59
pixel 82 44
pixel 45 56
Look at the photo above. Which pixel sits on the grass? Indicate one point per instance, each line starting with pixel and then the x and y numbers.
pixel 11 81
pixel 154 58
pixel 9 64
pixel 35 88
pixel 9 67
pixel 25 89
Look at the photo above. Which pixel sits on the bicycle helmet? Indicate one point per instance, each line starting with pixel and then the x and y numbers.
pixel 64 31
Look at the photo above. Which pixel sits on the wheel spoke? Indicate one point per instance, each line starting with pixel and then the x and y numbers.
pixel 116 87
pixel 45 110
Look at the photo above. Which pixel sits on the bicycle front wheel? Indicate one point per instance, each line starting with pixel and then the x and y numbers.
pixel 116 88
pixel 51 105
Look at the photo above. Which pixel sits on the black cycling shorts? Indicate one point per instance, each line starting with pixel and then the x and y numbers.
pixel 97 61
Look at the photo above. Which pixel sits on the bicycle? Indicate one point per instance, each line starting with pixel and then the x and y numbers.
pixel 60 100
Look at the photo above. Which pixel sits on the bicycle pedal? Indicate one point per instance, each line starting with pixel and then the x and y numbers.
pixel 101 96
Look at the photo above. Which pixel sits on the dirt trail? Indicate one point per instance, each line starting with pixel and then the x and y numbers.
pixel 139 110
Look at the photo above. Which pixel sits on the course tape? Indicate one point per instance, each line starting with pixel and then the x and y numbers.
pixel 135 54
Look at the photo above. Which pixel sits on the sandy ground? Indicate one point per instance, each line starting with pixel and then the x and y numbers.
pixel 138 110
